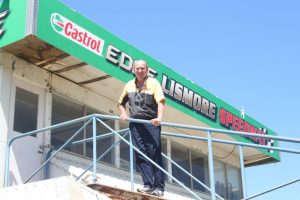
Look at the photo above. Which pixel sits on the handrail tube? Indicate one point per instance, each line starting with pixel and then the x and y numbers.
pixel 82 141
pixel 120 131
pixel 258 146
pixel 232 142
pixel 243 177
pixel 156 165
pixel 98 137
pixel 49 127
pixel 131 162
pixel 242 134
pixel 211 167
pixel 239 133
pixel 100 157
pixel 94 150
pixel 275 188
pixel 189 174
pixel 47 167
pixel 63 146
pixel 11 140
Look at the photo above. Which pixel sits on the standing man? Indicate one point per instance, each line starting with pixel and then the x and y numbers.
pixel 146 101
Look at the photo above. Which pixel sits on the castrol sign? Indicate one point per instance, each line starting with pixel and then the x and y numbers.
pixel 76 33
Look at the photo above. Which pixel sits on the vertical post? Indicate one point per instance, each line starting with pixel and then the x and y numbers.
pixel 243 171
pixel 131 163
pixel 47 135
pixel 211 167
pixel 169 154
pixel 6 181
pixel 117 146
pixel 191 167
pixel 94 150
pixel 84 131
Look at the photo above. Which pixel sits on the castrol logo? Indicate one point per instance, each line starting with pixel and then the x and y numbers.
pixel 76 33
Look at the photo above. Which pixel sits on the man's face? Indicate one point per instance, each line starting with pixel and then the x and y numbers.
pixel 140 69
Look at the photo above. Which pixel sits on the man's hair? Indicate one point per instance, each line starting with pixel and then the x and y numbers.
pixel 136 61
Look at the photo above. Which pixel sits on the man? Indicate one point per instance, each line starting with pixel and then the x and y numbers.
pixel 146 101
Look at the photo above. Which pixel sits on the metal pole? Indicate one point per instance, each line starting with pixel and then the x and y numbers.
pixel 243 171
pixel 273 189
pixel 94 150
pixel 186 172
pixel 131 163
pixel 6 180
pixel 7 160
pixel 58 150
pixel 101 156
pixel 211 167
pixel 151 161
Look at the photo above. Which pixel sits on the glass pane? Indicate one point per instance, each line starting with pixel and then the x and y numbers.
pixel 164 150
pixel 198 169
pixel 64 110
pixel 26 110
pixel 124 150
pixel 102 144
pixel 220 178
pixel 180 155
pixel 234 183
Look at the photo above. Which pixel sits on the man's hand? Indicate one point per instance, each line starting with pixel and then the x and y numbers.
pixel 124 116
pixel 156 121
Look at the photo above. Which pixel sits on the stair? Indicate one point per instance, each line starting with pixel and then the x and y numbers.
pixel 120 194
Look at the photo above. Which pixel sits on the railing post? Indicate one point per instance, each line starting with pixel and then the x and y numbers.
pixel 211 166
pixel 94 150
pixel 6 181
pixel 131 163
pixel 117 146
pixel 243 171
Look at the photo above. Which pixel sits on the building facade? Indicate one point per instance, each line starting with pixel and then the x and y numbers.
pixel 56 66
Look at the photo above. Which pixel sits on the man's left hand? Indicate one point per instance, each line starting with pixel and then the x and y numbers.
pixel 156 121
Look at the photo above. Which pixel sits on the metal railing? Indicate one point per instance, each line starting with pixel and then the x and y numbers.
pixel 97 117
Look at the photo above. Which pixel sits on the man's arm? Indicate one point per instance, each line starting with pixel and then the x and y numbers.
pixel 160 113
pixel 123 114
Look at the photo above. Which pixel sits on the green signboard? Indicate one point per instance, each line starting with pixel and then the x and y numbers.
pixel 12 21
pixel 69 31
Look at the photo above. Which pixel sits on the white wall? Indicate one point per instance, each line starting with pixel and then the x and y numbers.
pixel 12 68
pixel 5 79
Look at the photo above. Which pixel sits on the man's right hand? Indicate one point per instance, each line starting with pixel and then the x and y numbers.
pixel 123 112
pixel 124 116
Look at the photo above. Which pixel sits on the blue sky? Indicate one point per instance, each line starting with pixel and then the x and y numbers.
pixel 245 52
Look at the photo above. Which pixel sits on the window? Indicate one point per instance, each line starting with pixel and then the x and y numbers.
pixel 227 178
pixel 220 178
pixel 198 170
pixel 102 144
pixel 180 155
pixel 227 181
pixel 64 110
pixel 26 110
pixel 164 151
pixel 124 150
pixel 234 183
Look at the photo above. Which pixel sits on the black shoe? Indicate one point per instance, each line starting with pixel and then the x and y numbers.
pixel 158 192
pixel 145 189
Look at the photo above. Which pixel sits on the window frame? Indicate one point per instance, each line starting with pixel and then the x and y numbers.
pixel 30 87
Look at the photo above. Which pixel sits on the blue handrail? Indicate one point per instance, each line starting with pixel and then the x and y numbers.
pixel 97 117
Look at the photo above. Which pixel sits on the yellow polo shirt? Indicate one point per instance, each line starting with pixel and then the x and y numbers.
pixel 143 103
